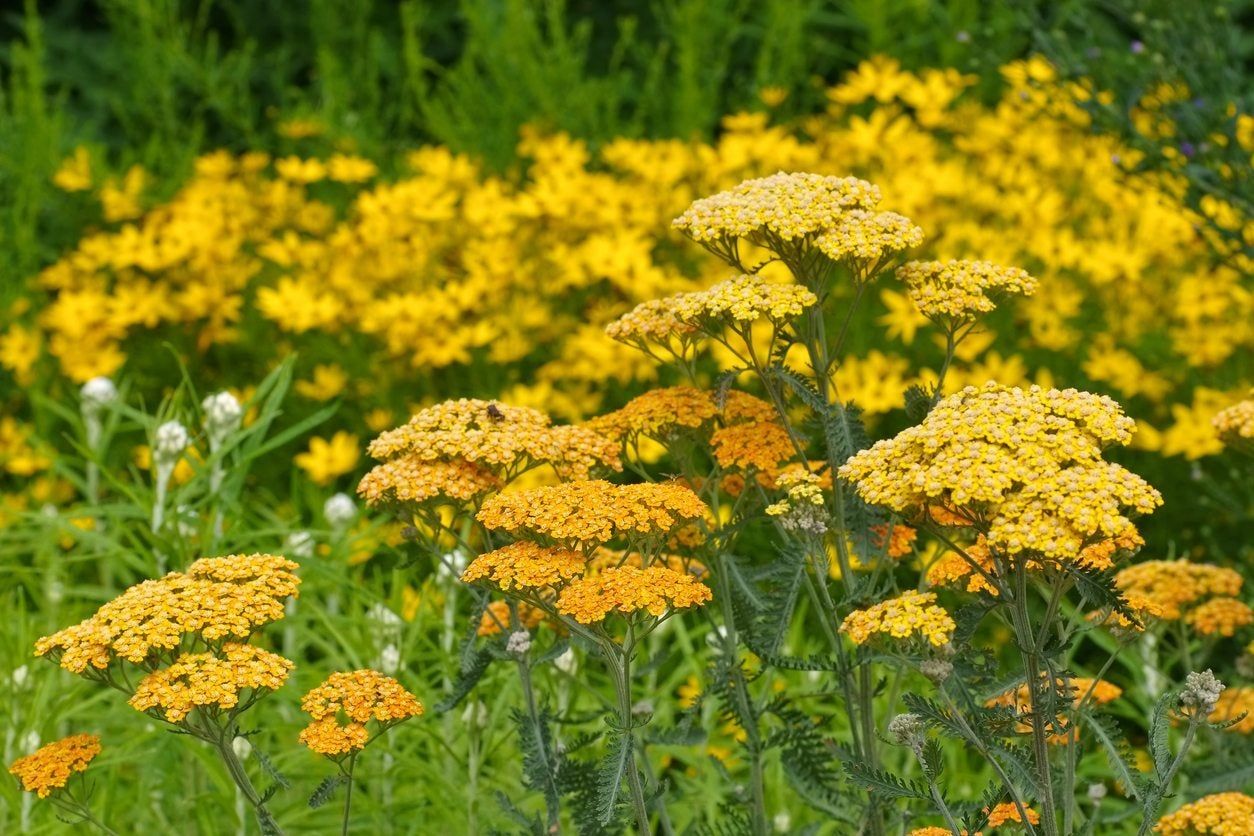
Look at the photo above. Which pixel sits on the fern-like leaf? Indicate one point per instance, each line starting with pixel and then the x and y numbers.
pixel 326 790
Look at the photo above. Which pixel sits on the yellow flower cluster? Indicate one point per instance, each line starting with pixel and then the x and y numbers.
pixel 1220 617
pixel 762 446
pixel 209 680
pixel 506 438
pixel 628 589
pixel 783 207
pixel 1221 814
pixel 732 303
pixel 343 704
pixel 657 414
pixel 1072 689
pixel 1007 813
pixel 868 239
pixel 526 566
pixel 1233 702
pixel 217 598
pixel 957 291
pixel 1236 423
pixel 593 512
pixel 408 479
pixel 909 614
pixel 1177 585
pixel 802 508
pixel 49 768
pixel 1026 465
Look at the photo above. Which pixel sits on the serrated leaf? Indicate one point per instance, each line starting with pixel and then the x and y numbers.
pixel 1159 733
pixel 885 784
pixel 326 790
pixel 611 773
pixel 1117 751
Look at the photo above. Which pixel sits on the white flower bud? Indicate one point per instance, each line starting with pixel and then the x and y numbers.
pixel 223 415
pixel 30 741
pixel 96 394
pixel 476 714
pixel 299 544
pixel 567 663
pixel 241 747
pixel 339 510
pixel 389 659
pixel 19 677
pixel 642 708
pixel 518 643
pixel 1201 692
pixel 1097 792
pixel 907 730
pixel 169 443
pixel 782 822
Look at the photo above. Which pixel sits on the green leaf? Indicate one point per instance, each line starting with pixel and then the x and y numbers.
pixel 885 784
pixel 1118 753
pixel 326 790
pixel 610 777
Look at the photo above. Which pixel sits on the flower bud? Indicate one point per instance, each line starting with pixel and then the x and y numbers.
pixel 519 642
pixel 907 730
pixel 1096 793
pixel 937 670
pixel 241 747
pixel 169 443
pixel 96 394
pixel 223 415
pixel 300 544
pixel 1201 692
pixel 339 510
pixel 389 659
pixel 476 714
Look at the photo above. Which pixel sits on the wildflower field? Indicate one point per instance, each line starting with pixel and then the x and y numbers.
pixel 695 417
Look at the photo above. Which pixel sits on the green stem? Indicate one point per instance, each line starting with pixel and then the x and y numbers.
pixel 620 666
pixel 348 793
pixel 1036 704
pixel 1150 815
pixel 240 776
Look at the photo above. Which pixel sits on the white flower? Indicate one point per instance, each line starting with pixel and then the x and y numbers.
pixel 300 544
pixel 1201 691
pixel 476 714
pixel 452 565
pixel 30 741
pixel 567 662
pixel 242 748
pixel 188 521
pixel 339 510
pixel 389 660
pixel 19 677
pixel 782 822
pixel 96 394
pixel 170 442
pixel 519 642
pixel 223 415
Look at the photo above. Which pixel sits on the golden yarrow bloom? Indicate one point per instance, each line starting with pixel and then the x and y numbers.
pixel 909 615
pixel 1223 814
pixel 657 414
pixel 1176 585
pixel 959 291
pixel 1140 606
pixel 607 558
pixel 781 207
pixel 1024 466
pixel 628 589
pixel 212 680
pixel 895 538
pixel 1007 813
pixel 868 240
pixel 502 437
pixel 48 769
pixel 762 446
pixel 343 705
pixel 526 566
pixel 217 598
pixel 1220 617
pixel 1232 703
pixel 1068 689
pixel 593 512
pixel 409 479
pixel 1235 425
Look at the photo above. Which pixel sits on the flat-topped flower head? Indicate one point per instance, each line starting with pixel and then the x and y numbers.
pixel 526 566
pixel 868 240
pixel 959 291
pixel 593 512
pixel 1235 425
pixel 503 438
pixel 1024 466
pixel 1220 617
pixel 409 479
pixel 784 207
pixel 209 681
pixel 47 770
pixel 1175 587
pixel 657 414
pixel 1232 703
pixel 910 615
pixel 343 705
pixel 216 598
pixel 760 446
pixel 1221 814
pixel 628 589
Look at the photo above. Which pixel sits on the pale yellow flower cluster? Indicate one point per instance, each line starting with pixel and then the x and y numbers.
pixel 869 239
pixel 1026 465
pixel 958 291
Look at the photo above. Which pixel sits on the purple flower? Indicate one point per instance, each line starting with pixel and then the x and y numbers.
pixel 1187 149
pixel 1137 47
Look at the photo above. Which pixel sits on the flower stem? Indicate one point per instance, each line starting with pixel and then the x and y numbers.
pixel 348 793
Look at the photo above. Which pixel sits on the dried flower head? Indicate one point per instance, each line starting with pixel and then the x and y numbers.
pixel 593 512
pixel 909 615
pixel 343 705
pixel 48 769
pixel 627 590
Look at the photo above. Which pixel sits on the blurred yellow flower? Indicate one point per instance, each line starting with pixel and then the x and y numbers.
pixel 327 459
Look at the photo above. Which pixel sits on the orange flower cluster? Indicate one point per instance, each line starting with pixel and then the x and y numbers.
pixel 525 566
pixel 410 479
pixel 1072 689
pixel 1025 465
pixel 1234 702
pixel 216 598
pixel 627 589
pixel 762 446
pixel 906 616
pixel 583 513
pixel 209 680
pixel 898 539
pixel 358 697
pixel 1178 587
pixel 506 439
pixel 495 618
pixel 48 769
pixel 1007 813
pixel 605 558
pixel 657 414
